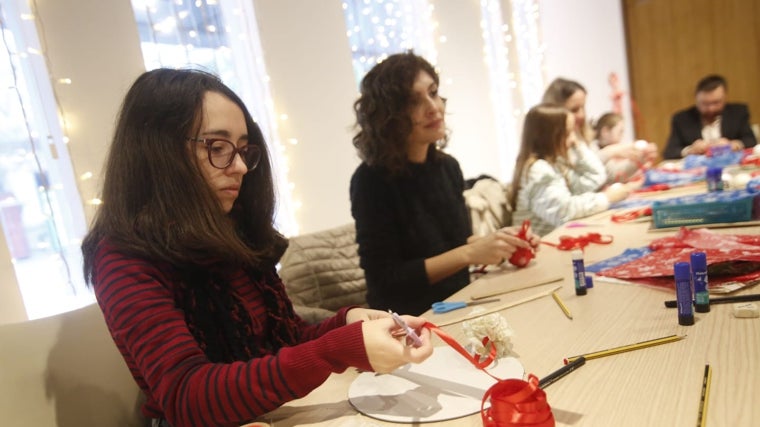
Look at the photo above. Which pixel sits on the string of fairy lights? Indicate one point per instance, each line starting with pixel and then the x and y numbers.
pixel 514 54
pixel 377 28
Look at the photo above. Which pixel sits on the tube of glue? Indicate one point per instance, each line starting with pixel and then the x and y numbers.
pixel 682 273
pixel 699 279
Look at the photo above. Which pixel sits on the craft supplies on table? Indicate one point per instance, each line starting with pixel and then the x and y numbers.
pixel 706 208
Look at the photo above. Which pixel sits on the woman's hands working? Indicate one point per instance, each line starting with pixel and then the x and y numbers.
pixel 494 248
pixel 385 350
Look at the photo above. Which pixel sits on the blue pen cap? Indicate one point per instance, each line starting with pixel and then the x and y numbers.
pixel 589 281
pixel 699 261
pixel 682 271
pixel 714 173
pixel 714 179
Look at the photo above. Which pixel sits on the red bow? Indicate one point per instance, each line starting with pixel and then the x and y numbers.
pixel 514 402
pixel 568 243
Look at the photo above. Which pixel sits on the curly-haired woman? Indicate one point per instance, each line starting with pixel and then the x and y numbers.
pixel 413 228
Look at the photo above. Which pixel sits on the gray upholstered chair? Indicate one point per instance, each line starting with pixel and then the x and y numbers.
pixel 65 371
pixel 321 272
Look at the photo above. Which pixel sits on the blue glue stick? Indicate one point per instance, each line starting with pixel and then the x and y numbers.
pixel 699 279
pixel 579 272
pixel 682 272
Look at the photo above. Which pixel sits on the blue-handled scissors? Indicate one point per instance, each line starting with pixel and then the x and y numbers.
pixel 445 307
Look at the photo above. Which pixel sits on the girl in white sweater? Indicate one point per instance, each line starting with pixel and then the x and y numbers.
pixel 557 179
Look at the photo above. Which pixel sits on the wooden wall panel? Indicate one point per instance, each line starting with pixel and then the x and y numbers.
pixel 671 44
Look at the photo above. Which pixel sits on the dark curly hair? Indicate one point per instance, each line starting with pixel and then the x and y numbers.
pixel 383 111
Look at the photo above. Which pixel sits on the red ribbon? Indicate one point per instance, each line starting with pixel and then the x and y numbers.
pixel 632 214
pixel 568 243
pixel 514 402
pixel 522 256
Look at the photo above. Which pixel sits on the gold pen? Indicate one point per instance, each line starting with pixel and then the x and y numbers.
pixel 629 347
pixel 562 305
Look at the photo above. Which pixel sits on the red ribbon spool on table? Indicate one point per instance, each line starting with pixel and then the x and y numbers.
pixel 514 402
pixel 517 403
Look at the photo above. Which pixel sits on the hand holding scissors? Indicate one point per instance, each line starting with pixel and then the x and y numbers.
pixel 445 307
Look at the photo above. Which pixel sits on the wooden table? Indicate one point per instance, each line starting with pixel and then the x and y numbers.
pixel 656 386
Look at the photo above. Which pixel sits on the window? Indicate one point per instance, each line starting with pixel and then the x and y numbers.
pixel 378 28
pixel 514 57
pixel 219 36
pixel 40 207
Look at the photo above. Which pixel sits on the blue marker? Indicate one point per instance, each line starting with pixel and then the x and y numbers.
pixel 682 272
pixel 699 279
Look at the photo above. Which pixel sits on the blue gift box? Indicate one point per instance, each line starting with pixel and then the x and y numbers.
pixel 707 208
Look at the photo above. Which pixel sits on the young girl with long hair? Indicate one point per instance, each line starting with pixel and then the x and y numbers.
pixel 557 179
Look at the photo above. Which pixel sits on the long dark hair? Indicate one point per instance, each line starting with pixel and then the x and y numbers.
pixel 383 111
pixel 543 137
pixel 157 206
pixel 155 202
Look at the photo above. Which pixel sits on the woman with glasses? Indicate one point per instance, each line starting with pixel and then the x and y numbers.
pixel 413 228
pixel 182 256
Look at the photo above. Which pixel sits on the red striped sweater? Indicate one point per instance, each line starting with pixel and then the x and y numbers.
pixel 180 383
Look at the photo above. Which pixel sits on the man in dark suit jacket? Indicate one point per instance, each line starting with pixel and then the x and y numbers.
pixel 710 122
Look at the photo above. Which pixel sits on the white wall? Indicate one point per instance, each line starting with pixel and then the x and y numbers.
pixel 308 58
pixel 465 84
pixel 585 41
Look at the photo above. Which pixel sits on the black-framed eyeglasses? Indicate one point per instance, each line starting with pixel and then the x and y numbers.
pixel 221 152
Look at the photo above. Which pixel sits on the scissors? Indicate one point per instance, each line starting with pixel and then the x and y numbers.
pixel 445 307
pixel 411 336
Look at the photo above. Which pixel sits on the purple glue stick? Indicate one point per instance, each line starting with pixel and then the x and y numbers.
pixel 682 272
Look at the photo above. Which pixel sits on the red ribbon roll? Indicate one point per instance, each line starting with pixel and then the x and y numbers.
pixel 514 402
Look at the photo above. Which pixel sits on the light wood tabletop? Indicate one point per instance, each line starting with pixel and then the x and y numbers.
pixel 655 386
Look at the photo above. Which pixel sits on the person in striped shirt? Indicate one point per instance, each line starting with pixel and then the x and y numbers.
pixel 182 255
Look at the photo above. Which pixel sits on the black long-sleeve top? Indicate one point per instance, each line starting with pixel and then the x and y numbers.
pixel 401 221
